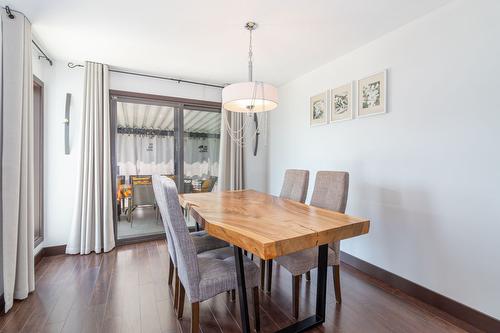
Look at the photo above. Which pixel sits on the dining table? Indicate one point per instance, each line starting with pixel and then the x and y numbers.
pixel 270 227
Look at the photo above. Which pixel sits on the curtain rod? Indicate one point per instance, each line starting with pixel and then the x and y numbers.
pixel 12 16
pixel 160 132
pixel 43 56
pixel 72 65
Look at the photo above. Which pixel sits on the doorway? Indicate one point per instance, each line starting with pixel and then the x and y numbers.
pixel 172 137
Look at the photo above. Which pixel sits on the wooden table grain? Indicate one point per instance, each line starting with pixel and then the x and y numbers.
pixel 269 226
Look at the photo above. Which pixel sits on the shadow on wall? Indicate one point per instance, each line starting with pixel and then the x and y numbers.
pixel 394 224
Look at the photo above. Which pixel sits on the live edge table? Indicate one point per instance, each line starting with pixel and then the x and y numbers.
pixel 271 227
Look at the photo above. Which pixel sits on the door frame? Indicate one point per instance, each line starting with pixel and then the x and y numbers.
pixel 39 83
pixel 179 105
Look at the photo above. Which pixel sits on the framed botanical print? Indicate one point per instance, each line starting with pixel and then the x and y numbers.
pixel 318 109
pixel 341 103
pixel 372 95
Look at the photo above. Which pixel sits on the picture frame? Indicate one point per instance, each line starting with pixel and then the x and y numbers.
pixel 372 95
pixel 318 109
pixel 341 103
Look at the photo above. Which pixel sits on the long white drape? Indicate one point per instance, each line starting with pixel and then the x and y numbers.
pixel 231 154
pixel 92 225
pixel 17 159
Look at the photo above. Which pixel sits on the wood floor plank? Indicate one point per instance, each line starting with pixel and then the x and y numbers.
pixel 126 290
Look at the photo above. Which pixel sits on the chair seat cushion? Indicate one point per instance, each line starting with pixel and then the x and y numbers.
pixel 218 272
pixel 204 242
pixel 303 261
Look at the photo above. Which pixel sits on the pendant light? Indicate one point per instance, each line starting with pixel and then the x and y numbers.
pixel 250 96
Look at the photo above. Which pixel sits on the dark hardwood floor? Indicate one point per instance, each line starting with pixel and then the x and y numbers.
pixel 126 291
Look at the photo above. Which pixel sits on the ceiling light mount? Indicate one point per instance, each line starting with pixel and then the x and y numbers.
pixel 251 26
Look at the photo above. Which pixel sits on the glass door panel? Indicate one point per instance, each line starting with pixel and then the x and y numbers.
pixel 144 146
pixel 201 149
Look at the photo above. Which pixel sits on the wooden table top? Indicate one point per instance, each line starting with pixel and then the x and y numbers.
pixel 269 226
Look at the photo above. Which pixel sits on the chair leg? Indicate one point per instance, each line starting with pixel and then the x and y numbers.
pixel 256 308
pixel 269 274
pixel 336 283
pixel 308 276
pixel 295 295
pixel 170 272
pixel 180 309
pixel 233 295
pixel 195 317
pixel 176 290
pixel 262 274
pixel 251 256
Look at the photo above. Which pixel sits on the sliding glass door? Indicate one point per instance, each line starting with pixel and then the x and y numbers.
pixel 170 137
pixel 201 149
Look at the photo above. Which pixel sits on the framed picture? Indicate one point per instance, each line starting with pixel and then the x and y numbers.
pixel 318 109
pixel 341 103
pixel 372 93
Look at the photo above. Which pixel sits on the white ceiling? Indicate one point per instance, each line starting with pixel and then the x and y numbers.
pixel 135 115
pixel 205 39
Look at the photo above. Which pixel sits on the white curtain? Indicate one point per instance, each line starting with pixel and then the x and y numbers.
pixel 92 225
pixel 146 155
pixel 201 157
pixel 17 159
pixel 231 153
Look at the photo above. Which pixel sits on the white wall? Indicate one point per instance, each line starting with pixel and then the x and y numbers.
pixel 255 167
pixel 61 169
pixel 427 173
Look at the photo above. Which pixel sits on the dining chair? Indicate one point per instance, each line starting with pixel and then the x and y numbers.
pixel 294 188
pixel 202 241
pixel 205 275
pixel 330 192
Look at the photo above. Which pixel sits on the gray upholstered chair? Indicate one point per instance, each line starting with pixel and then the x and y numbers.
pixel 202 276
pixel 294 188
pixel 295 185
pixel 202 241
pixel 330 192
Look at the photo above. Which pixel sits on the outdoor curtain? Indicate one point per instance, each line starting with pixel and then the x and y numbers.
pixel 92 224
pixel 231 153
pixel 149 155
pixel 17 155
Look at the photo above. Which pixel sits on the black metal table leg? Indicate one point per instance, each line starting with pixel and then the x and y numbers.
pixel 242 291
pixel 319 317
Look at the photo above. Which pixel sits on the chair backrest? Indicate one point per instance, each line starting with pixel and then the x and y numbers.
pixel 140 179
pixel 295 185
pixel 185 251
pixel 162 205
pixel 142 194
pixel 330 190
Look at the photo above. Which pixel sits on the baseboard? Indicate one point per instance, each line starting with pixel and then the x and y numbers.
pixel 454 308
pixel 49 251
pixel 54 250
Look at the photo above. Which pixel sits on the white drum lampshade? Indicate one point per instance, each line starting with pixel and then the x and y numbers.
pixel 249 97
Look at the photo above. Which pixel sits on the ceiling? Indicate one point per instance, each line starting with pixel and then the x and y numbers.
pixel 205 40
pixel 135 115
